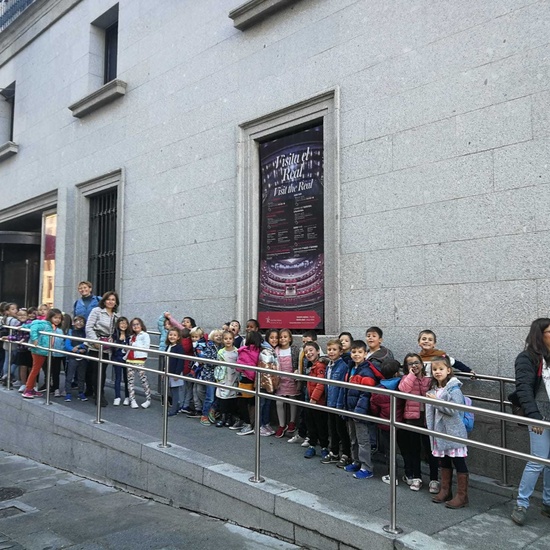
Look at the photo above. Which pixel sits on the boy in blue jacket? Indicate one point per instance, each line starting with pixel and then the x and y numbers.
pixel 338 434
pixel 362 372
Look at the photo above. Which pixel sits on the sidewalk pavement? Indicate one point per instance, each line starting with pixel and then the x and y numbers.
pixel 484 523
pixel 57 509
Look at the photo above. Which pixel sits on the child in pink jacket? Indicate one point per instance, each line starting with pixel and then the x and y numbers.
pixel 416 382
pixel 248 355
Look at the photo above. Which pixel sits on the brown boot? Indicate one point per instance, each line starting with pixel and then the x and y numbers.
pixel 461 498
pixel 445 492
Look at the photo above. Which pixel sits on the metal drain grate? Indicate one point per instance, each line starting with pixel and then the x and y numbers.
pixel 9 493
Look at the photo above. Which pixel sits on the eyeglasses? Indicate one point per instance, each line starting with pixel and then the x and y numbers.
pixel 136 324
pixel 414 364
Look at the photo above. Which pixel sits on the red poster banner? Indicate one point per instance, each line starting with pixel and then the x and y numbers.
pixel 291 287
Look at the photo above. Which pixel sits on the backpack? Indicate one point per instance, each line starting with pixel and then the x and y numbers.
pixel 467 416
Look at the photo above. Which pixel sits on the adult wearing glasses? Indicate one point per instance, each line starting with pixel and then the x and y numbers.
pixel 100 326
pixel 533 395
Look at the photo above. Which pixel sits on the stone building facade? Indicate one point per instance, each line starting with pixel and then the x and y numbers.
pixel 436 126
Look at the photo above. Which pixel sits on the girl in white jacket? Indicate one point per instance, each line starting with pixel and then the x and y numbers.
pixel 136 359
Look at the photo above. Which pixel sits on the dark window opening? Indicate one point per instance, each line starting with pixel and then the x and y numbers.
pixel 103 239
pixel 8 94
pixel 111 52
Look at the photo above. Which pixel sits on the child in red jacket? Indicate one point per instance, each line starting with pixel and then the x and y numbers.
pixel 316 420
pixel 380 406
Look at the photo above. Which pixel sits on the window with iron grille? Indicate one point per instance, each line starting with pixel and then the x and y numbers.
pixel 103 239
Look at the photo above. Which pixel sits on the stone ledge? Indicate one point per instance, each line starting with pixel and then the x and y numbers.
pixel 104 95
pixel 254 11
pixel 8 149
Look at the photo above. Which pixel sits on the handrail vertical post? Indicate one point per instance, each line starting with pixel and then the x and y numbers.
pixel 8 379
pixel 98 394
pixel 392 527
pixel 49 371
pixel 165 380
pixel 503 443
pixel 257 478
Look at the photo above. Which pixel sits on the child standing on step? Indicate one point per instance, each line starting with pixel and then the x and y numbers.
pixel 440 418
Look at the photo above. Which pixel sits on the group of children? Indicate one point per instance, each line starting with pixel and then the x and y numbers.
pixel 341 440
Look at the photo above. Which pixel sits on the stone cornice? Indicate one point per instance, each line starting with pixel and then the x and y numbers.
pixel 102 96
pixel 254 11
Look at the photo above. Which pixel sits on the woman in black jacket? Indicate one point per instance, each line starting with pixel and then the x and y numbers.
pixel 532 369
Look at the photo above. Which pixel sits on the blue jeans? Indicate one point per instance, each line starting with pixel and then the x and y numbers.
pixel 176 392
pixel 120 374
pixel 265 411
pixel 209 396
pixel 540 446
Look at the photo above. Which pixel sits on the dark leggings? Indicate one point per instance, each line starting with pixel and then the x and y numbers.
pixel 458 461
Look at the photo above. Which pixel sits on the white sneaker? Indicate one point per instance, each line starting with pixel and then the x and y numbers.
pixel 416 484
pixel 116 402
pixel 305 443
pixel 386 479
pixel 17 384
pixel 296 438
pixel 57 393
pixel 126 401
pixel 133 404
pixel 22 388
pixel 146 404
pixel 434 487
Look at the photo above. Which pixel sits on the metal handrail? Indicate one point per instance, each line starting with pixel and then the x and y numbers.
pixel 393 423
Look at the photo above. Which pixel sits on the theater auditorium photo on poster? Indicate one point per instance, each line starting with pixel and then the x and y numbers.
pixel 291 282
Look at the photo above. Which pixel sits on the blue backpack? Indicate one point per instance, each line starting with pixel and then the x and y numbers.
pixel 467 416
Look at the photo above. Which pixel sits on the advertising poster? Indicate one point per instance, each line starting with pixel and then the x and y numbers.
pixel 291 283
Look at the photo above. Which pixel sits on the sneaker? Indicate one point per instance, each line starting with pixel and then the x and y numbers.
pixel 134 404
pixel 280 431
pixel 68 398
pixel 265 432
pixel 353 467
pixel 173 413
pixel 126 401
pixel 545 510
pixel 184 410
pixel 434 487
pixel 330 459
pixel 195 414
pixel 310 452
pixel 305 443
pixel 116 402
pixel 205 421
pixel 386 479
pixel 22 388
pixel 17 384
pixel 416 484
pixel 82 397
pixel 238 425
pixel 296 438
pixel 363 474
pixel 247 429
pixel 146 404
pixel 408 480
pixel 519 514
pixel 189 412
pixel 343 462
pixel 57 393
pixel 269 429
pixel 291 427
pixel 324 452
pixel 28 394
pixel 37 393
pixel 212 416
